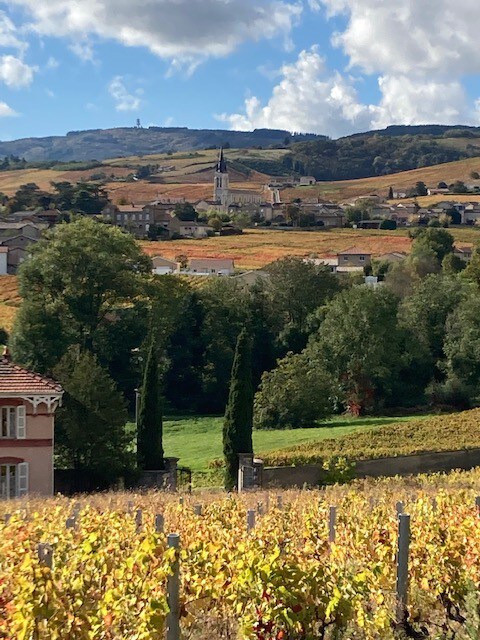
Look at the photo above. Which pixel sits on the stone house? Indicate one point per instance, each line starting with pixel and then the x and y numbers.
pixel 463 252
pixel 354 257
pixel 28 403
pixel 307 181
pixel 211 267
pixel 25 229
pixel 132 218
pixel 163 266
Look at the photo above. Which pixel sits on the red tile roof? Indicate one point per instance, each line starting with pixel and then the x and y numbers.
pixel 14 379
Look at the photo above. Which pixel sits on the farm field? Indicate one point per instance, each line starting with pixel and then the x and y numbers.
pixel 297 574
pixel 9 301
pixel 345 190
pixel 256 248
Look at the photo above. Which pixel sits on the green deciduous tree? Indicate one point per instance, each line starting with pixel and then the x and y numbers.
pixel 72 285
pixel 437 240
pixel 360 346
pixel 149 419
pixel 186 212
pixel 90 425
pixel 297 393
pixel 297 288
pixel 238 424
pixel 425 311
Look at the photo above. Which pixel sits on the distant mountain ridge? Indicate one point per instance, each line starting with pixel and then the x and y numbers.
pixel 381 152
pixel 100 144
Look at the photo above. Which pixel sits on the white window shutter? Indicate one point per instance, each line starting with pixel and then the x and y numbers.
pixel 22 479
pixel 21 423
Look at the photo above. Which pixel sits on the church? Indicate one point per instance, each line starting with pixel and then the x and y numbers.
pixel 223 195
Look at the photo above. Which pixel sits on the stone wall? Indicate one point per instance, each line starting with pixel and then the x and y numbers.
pixel 289 477
pixel 312 475
pixel 422 463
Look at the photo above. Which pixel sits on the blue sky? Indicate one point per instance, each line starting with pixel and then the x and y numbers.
pixel 325 66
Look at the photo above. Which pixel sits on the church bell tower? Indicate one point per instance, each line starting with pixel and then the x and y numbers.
pixel 221 185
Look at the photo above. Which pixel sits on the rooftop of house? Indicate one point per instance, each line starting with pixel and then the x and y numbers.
pixel 354 251
pixel 17 380
pixel 221 263
pixel 22 224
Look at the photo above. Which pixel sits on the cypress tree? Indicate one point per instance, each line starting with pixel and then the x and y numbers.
pixel 238 424
pixel 149 419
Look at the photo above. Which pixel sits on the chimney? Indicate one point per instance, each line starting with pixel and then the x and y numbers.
pixel 6 353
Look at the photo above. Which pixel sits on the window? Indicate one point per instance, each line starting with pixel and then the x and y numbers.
pixel 345 258
pixel 362 258
pixel 8 422
pixel 12 422
pixel 13 480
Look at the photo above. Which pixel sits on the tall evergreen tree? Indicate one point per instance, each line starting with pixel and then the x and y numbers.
pixel 238 425
pixel 149 419
pixel 90 426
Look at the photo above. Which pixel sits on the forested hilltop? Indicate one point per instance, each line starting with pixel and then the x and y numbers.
pixel 100 144
pixel 383 152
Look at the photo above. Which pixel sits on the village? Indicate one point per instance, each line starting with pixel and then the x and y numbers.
pixel 231 210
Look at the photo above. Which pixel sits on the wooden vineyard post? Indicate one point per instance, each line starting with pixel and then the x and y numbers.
pixel 399 508
pixel 71 523
pixel 279 502
pixel 159 523
pixel 332 523
pixel 7 517
pixel 250 520
pixel 197 509
pixel 138 521
pixel 403 552
pixel 173 592
pixel 477 504
pixel 45 554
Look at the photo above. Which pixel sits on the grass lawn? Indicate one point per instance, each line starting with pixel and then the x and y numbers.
pixel 197 441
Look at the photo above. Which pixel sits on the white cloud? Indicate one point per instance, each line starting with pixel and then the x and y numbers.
pixel 52 63
pixel 419 37
pixel 124 100
pixel 309 98
pixel 15 73
pixel 83 49
pixel 178 30
pixel 9 34
pixel 6 111
pixel 406 101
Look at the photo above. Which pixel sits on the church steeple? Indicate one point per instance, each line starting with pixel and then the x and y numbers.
pixel 221 164
pixel 221 185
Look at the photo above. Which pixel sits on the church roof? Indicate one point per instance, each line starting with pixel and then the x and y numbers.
pixel 221 166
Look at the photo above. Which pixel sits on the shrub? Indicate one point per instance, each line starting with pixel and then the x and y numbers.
pixel 388 225
pixel 295 394
pixel 452 393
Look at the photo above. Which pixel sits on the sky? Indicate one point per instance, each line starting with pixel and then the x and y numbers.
pixel 332 67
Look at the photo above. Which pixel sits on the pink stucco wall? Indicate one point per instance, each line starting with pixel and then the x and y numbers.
pixel 36 449
pixel 40 467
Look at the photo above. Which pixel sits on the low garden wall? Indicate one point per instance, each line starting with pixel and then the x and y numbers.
pixel 314 475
